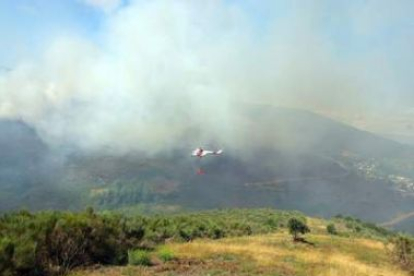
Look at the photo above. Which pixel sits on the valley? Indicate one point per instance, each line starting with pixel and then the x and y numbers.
pixel 315 165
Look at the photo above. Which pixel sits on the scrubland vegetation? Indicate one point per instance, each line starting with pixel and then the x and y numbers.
pixel 57 243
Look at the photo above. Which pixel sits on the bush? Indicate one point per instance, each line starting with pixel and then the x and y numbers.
pixel 6 255
pixel 53 243
pixel 403 252
pixel 331 229
pixel 165 254
pixel 364 229
pixel 139 257
pixel 297 227
pixel 50 243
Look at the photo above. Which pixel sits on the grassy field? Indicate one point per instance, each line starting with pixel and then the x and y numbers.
pixel 270 254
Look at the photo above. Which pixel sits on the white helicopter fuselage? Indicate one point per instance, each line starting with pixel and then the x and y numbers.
pixel 199 152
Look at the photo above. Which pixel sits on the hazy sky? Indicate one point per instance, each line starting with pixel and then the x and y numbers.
pixel 87 70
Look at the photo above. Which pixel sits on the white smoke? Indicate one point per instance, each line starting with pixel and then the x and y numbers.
pixel 161 67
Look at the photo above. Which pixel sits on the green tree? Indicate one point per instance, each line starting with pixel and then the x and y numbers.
pixel 297 227
pixel 331 229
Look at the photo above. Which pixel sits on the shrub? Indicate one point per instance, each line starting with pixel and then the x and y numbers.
pixel 331 229
pixel 139 257
pixel 297 227
pixel 49 243
pixel 24 257
pixel 403 252
pixel 6 255
pixel 217 233
pixel 52 242
pixel 165 254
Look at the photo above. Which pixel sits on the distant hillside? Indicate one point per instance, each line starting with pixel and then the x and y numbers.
pixel 294 160
pixel 403 222
pixel 291 159
pixel 28 172
pixel 300 130
pixel 19 145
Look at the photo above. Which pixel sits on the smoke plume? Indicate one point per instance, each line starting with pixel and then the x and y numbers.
pixel 160 68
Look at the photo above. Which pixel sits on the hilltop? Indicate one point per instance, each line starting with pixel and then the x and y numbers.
pixel 235 241
pixel 357 248
pixel 271 254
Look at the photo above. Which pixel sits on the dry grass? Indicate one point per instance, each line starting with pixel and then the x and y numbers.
pixel 273 254
pixel 330 255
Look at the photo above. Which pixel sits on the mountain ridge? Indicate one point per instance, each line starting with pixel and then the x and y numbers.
pixel 297 160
